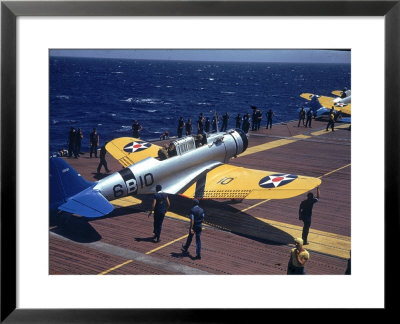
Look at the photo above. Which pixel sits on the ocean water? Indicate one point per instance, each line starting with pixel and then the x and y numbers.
pixel 110 94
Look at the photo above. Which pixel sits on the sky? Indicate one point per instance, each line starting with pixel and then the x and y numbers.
pixel 215 55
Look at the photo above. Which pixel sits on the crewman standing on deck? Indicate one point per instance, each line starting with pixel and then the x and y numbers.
pixel 200 124
pixel 207 125
pixel 103 161
pixel 305 211
pixel 225 119
pixel 302 116
pixel 298 258
pixel 269 114
pixel 331 121
pixel 238 121
pixel 78 142
pixel 214 123
pixel 309 117
pixel 259 118
pixel 189 127
pixel 71 142
pixel 246 123
pixel 136 128
pixel 196 215
pixel 254 120
pixel 181 126
pixel 160 207
pixel 94 142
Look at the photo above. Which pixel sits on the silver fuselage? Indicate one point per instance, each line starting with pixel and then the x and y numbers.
pixel 176 172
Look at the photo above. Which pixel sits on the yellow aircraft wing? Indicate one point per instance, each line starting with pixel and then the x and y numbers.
pixel 232 182
pixel 327 102
pixel 129 150
pixel 307 96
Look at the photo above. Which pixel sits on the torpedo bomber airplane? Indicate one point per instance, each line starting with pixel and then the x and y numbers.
pixel 342 103
pixel 197 170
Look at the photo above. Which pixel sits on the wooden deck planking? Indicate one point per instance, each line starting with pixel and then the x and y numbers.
pixel 67 258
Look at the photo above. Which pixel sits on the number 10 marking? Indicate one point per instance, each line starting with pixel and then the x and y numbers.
pixel 225 180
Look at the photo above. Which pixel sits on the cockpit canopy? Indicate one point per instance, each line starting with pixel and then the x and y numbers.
pixel 184 145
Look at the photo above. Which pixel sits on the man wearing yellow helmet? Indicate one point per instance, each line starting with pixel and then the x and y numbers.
pixel 298 259
pixel 331 121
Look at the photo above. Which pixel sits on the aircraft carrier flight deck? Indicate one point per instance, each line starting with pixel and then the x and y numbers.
pixel 239 237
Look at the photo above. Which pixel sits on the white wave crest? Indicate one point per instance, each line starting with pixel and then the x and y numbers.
pixel 128 100
pixel 123 129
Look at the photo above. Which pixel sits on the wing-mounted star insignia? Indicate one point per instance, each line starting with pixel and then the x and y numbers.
pixel 276 180
pixel 136 147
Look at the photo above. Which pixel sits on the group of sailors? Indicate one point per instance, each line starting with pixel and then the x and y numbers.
pixel 204 124
pixel 305 118
pixel 75 138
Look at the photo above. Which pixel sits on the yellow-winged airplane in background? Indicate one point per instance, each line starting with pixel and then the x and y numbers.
pixel 342 103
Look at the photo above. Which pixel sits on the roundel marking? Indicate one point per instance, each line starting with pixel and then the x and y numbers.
pixel 136 147
pixel 276 180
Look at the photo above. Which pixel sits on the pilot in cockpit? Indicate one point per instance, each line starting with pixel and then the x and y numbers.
pixel 171 150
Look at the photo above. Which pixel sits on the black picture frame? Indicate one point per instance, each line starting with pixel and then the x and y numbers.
pixel 10 10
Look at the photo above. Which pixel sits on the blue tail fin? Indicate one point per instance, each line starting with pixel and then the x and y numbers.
pixel 64 182
pixel 88 203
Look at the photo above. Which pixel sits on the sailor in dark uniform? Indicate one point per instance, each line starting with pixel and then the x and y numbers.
pixel 259 118
pixel 94 142
pixel 71 142
pixel 200 124
pixel 246 123
pixel 181 125
pixel 309 117
pixel 254 120
pixel 214 124
pixel 302 116
pixel 78 142
pixel 224 122
pixel 103 161
pixel 189 127
pixel 160 207
pixel 238 120
pixel 269 114
pixel 136 128
pixel 207 125
pixel 196 215
pixel 305 212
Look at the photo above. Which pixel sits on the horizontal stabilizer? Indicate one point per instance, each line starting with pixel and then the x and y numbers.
pixel 88 203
